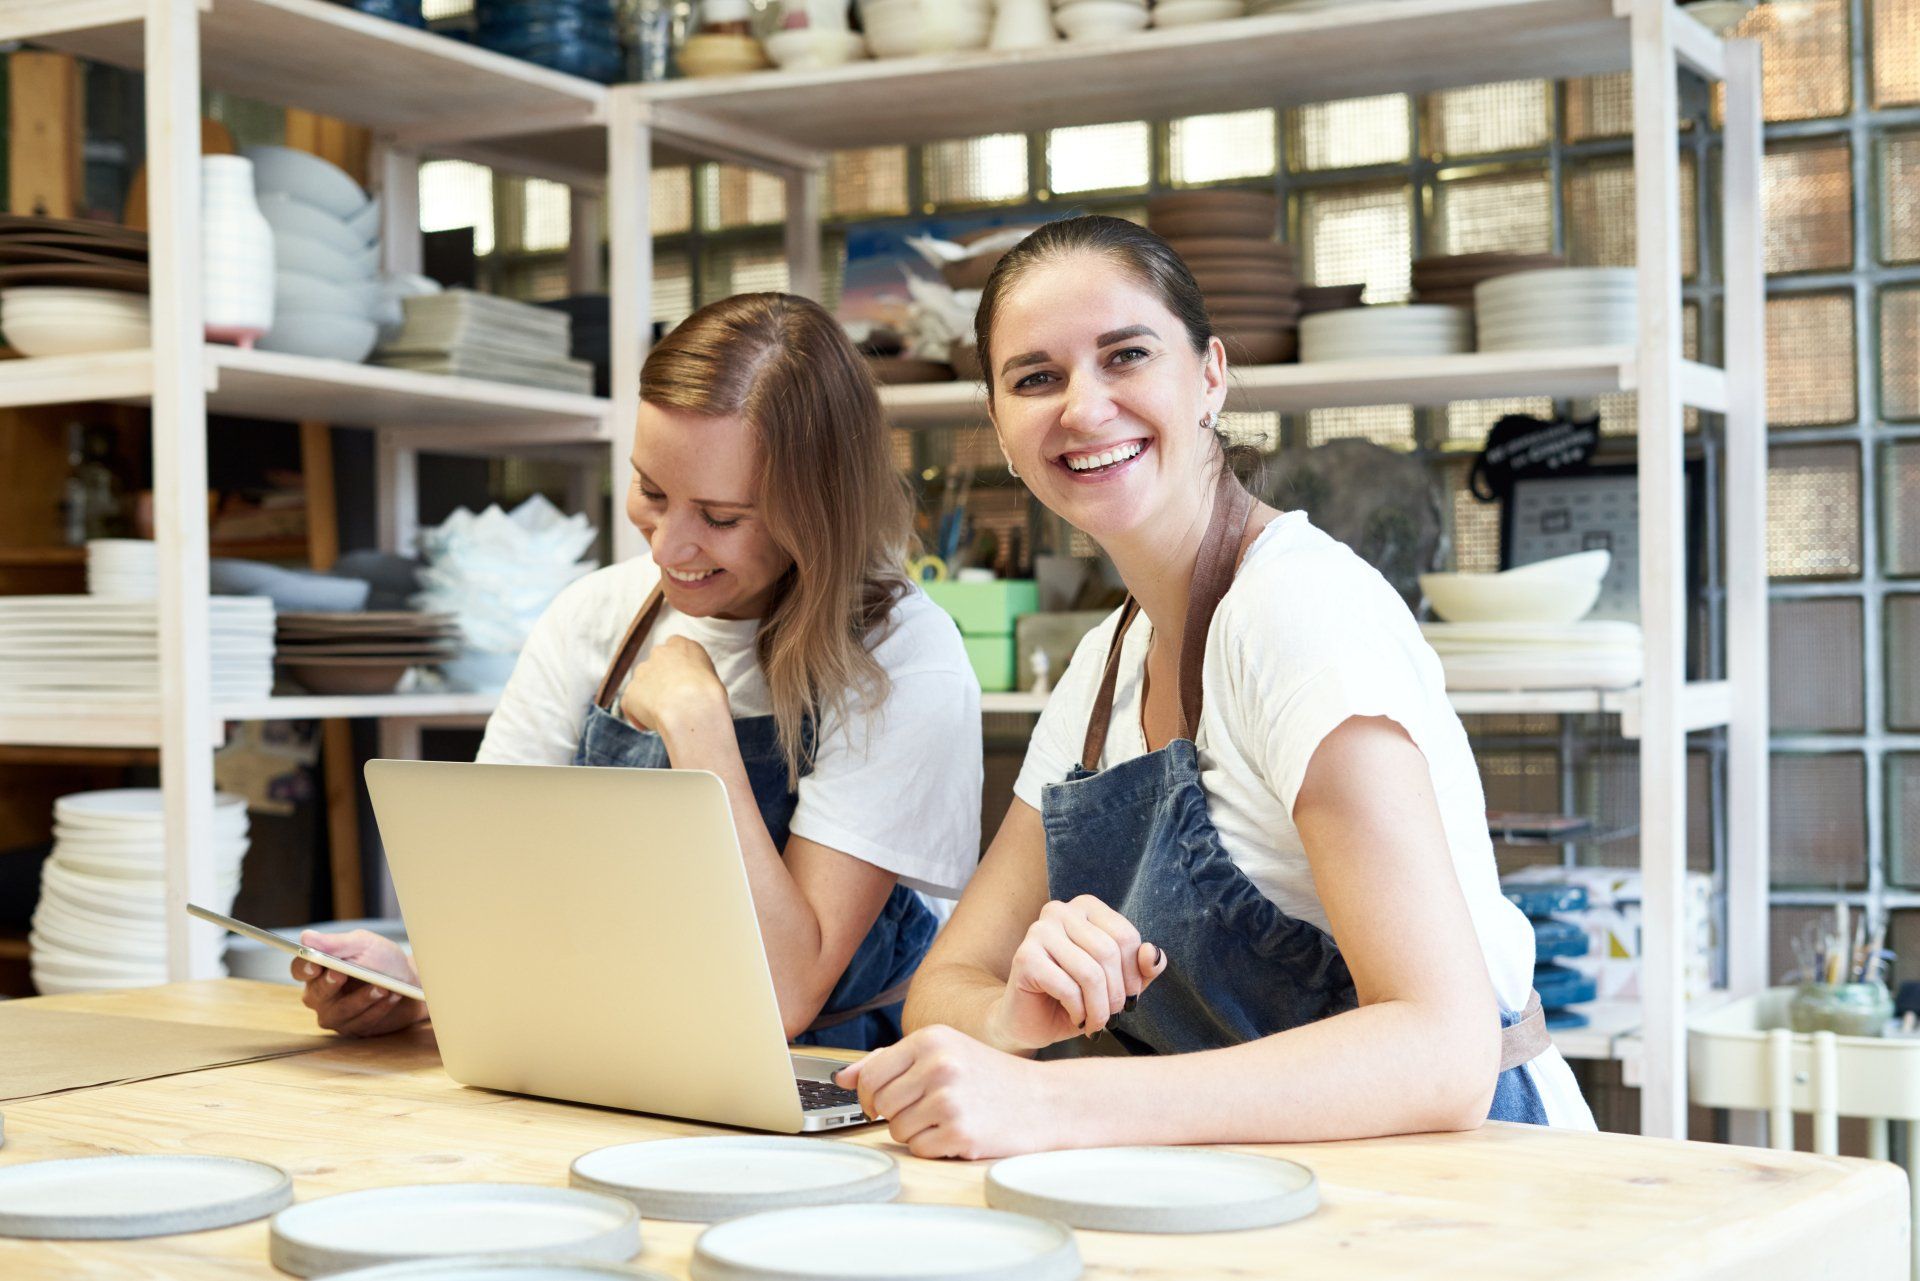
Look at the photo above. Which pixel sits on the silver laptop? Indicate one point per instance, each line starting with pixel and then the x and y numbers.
pixel 588 934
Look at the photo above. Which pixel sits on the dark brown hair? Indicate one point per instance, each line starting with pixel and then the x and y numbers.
pixel 828 490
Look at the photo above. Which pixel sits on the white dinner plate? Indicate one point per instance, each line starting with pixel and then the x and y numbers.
pixel 852 1242
pixel 1147 1189
pixel 387 1225
pixel 707 1179
pixel 116 1197
pixel 493 1268
pixel 132 803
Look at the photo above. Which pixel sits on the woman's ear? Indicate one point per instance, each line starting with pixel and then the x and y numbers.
pixel 1213 377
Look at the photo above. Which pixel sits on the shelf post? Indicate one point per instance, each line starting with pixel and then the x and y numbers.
pixel 397 483
pixel 630 238
pixel 803 232
pixel 396 177
pixel 172 36
pixel 584 274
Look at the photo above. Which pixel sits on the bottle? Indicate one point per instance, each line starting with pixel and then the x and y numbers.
pixel 91 503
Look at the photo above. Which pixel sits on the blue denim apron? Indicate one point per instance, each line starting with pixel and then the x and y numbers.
pixel 1138 837
pixel 863 1010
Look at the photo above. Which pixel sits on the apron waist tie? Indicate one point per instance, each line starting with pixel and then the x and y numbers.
pixel 1526 1040
pixel 893 996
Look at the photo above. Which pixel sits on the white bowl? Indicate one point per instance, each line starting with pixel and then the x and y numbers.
pixel 1591 566
pixel 286 213
pixel 907 28
pixel 1186 13
pixel 807 48
pixel 1511 597
pixel 366 223
pixel 300 173
pixel 298 291
pixel 1099 19
pixel 322 334
pixel 304 254
pixel 71 336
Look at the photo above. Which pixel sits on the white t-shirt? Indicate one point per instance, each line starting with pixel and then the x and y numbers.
pixel 1308 636
pixel 899 789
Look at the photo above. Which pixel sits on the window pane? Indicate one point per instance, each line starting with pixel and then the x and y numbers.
pixel 546 215
pixel 1099 158
pixel 1350 133
pixel 1804 48
pixel 1488 119
pixel 867 182
pixel 1810 360
pixel 1900 500
pixel 670 201
pixel 1898 193
pixel 1221 148
pixel 736 196
pixel 1599 107
pixel 1806 192
pixel 1813 511
pixel 1816 650
pixel 1390 425
pixel 1903 823
pixel 457 193
pixel 1903 673
pixel 1356 235
pixel 976 170
pixel 1900 353
pixel 744 270
pixel 672 289
pixel 1474 525
pixel 1467 422
pixel 1819 807
pixel 1896 52
pixel 1599 212
pixel 1502 211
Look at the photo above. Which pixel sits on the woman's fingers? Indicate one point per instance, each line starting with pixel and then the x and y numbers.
pixel 1125 936
pixel 1035 971
pixel 1151 963
pixel 377 1017
pixel 1104 952
pixel 339 1009
pixel 1086 972
pixel 897 1095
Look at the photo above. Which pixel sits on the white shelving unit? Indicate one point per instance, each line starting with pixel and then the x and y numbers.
pixel 423 94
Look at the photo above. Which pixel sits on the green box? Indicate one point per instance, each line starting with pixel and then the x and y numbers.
pixel 992 659
pixel 986 609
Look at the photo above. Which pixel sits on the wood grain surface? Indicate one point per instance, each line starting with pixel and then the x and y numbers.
pixel 1504 1201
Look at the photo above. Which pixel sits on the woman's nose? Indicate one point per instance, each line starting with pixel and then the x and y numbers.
pixel 672 539
pixel 1087 407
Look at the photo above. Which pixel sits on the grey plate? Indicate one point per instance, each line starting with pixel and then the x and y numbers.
pixel 1155 1189
pixel 496 1268
pixel 868 1242
pixel 104 1198
pixel 704 1180
pixel 448 1220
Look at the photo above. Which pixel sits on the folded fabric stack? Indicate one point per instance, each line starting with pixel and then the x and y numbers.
pixel 470 335
pixel 1553 941
pixel 1489 656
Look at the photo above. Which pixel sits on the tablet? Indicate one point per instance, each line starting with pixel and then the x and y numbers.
pixel 306 953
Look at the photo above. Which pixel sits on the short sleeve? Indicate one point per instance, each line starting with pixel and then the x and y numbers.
pixel 1060 733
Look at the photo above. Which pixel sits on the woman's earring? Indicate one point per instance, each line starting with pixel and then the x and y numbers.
pixel 1206 421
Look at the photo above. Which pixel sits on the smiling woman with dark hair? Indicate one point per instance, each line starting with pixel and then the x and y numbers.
pixel 1246 880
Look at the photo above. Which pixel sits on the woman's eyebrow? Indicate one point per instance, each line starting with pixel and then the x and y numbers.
pixel 729 503
pixel 1121 335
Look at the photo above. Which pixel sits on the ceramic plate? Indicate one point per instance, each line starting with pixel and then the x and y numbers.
pixel 871 1241
pixel 116 1197
pixel 388 1225
pixel 1155 1189
pixel 704 1180
pixel 493 1268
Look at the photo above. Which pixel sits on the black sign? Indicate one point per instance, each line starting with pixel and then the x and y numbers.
pixel 1522 445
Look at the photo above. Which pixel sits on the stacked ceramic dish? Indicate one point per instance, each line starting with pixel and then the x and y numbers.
pixel 1315 299
pixel 578 37
pixel 1375 333
pixel 470 335
pixel 101 920
pixel 56 651
pixel 1247 277
pixel 1556 591
pixel 44 320
pixel 366 653
pixel 1564 307
pixel 328 300
pixel 71 252
pixel 909 28
pixel 1582 655
pixel 1099 19
pixel 123 568
pixel 1187 13
pixel 1449 281
pixel 811 47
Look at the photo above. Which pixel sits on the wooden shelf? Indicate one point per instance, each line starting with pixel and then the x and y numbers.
pixel 1566 373
pixel 259 384
pixel 137 725
pixel 41 557
pixel 14 947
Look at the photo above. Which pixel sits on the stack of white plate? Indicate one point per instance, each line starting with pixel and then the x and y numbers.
pixel 1558 307
pixel 45 320
pixel 1371 333
pixel 910 28
pixel 1187 13
pixel 1586 655
pixel 1099 19
pixel 56 651
pixel 101 922
pixel 123 568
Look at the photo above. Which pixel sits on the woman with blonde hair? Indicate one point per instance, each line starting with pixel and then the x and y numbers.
pixel 770 636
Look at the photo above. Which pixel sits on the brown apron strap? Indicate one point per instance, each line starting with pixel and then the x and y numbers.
pixel 1526 1040
pixel 1212 574
pixel 894 994
pixel 629 647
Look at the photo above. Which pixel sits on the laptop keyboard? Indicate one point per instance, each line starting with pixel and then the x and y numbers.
pixel 816 1095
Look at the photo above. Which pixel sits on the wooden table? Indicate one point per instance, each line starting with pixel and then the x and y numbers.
pixel 1504 1201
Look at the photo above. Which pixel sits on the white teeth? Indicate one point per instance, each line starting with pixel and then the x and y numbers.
pixel 679 577
pixel 1107 458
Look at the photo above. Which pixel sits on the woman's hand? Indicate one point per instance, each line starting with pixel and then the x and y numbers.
pixel 347 1005
pixel 1080 964
pixel 944 1094
pixel 675 680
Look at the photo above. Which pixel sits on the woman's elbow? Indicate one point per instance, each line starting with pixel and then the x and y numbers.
pixel 1464 1088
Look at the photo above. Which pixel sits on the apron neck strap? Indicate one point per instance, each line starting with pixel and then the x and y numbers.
pixel 636 636
pixel 1212 574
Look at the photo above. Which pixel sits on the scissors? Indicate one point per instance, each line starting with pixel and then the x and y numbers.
pixel 928 569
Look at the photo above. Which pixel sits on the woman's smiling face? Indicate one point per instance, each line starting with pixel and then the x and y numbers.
pixel 692 496
pixel 1098 396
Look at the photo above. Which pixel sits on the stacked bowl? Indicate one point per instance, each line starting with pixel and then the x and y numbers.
pixel 47 320
pixel 578 37
pixel 1564 307
pixel 908 28
pixel 101 921
pixel 328 300
pixel 1247 277
pixel 361 653
pixel 408 13
pixel 1099 19
pixel 1187 13
pixel 1386 332
pixel 1449 280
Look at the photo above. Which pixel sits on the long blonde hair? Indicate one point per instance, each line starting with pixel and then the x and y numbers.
pixel 828 491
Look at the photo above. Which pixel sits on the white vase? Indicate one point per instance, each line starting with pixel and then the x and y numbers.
pixel 236 263
pixel 1022 24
